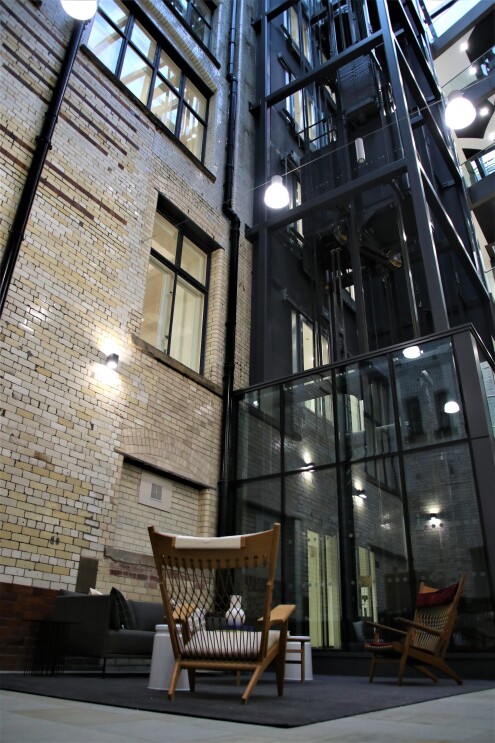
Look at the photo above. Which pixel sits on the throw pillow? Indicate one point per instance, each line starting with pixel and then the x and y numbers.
pixel 94 592
pixel 125 619
pixel 437 598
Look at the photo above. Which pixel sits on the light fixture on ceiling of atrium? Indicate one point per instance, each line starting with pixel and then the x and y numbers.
pixel 360 153
pixel 451 407
pixel 81 10
pixel 412 352
pixel 112 360
pixel 464 46
pixel 484 111
pixel 395 259
pixel 276 195
pixel 460 112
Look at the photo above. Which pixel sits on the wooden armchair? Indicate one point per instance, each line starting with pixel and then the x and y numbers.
pixel 217 595
pixel 425 639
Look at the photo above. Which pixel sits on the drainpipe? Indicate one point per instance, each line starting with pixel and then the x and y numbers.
pixel 224 522
pixel 43 140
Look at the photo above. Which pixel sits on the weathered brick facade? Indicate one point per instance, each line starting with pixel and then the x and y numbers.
pixel 75 436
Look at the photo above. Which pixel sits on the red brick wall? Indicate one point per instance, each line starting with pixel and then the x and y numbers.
pixel 19 605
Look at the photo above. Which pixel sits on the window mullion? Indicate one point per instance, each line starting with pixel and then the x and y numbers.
pixel 125 43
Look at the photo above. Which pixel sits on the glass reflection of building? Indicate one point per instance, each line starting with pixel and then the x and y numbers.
pixel 374 447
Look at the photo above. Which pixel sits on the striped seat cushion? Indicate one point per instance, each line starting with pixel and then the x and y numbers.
pixel 227 644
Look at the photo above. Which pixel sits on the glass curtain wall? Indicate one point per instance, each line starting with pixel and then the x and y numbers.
pixel 368 467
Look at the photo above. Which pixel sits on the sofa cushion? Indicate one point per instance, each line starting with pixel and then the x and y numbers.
pixel 130 642
pixel 146 614
pixel 125 617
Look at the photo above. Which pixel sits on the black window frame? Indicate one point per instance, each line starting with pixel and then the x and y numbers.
pixel 188 18
pixel 186 72
pixel 178 272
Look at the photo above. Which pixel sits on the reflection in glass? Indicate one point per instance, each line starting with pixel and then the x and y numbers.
pixel 425 384
pixel 311 557
pixel 191 133
pixel 258 431
pixel 165 104
pixel 187 325
pixel 136 74
pixel 143 41
pixel 309 423
pixel 164 239
pixel 155 320
pixel 105 42
pixel 193 260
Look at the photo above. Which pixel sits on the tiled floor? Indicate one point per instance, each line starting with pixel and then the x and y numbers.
pixel 468 718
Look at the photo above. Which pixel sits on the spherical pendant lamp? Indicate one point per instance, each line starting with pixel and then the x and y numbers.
pixel 460 112
pixel 276 195
pixel 81 10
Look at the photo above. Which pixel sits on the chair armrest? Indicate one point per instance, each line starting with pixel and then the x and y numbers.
pixel 280 613
pixel 384 627
pixel 417 625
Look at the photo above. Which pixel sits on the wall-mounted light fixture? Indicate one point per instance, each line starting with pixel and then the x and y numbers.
pixel 360 153
pixel 81 10
pixel 276 195
pixel 112 360
pixel 360 494
pixel 434 521
pixel 460 112
pixel 412 352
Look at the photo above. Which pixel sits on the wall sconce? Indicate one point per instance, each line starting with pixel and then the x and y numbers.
pixel 112 361
pixel 451 406
pixel 276 195
pixel 81 10
pixel 434 521
pixel 412 352
pixel 360 494
pixel 360 153
pixel 460 112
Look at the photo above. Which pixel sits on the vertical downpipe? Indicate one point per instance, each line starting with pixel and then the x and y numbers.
pixel 43 145
pixel 225 523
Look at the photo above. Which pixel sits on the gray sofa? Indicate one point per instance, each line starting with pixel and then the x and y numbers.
pixel 95 626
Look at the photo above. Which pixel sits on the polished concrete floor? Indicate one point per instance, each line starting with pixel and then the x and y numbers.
pixel 468 718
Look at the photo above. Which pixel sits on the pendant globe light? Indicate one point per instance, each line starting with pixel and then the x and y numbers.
pixel 460 112
pixel 81 10
pixel 276 195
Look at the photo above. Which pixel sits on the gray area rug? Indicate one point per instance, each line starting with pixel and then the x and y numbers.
pixel 218 697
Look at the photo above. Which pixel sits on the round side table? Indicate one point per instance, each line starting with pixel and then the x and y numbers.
pixel 162 662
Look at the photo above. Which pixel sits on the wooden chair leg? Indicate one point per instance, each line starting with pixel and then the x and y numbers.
pixel 426 672
pixel 448 671
pixel 173 680
pixel 372 669
pixel 402 668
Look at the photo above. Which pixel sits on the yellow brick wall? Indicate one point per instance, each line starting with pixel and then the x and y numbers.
pixel 66 421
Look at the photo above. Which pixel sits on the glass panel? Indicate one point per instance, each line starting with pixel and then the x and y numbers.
pixel 446 536
pixel 105 42
pixel 155 321
pixel 200 27
pixel 165 104
pixel 193 260
pixel 428 394
pixel 164 239
pixel 306 41
pixel 259 507
pixel 169 70
pixel 309 438
pixel 308 347
pixel 365 410
pixel 259 439
pixel 325 350
pixel 294 26
pixel 136 74
pixel 195 99
pixel 380 553
pixel 116 11
pixel 143 41
pixel 311 555
pixel 488 374
pixel 187 326
pixel 191 133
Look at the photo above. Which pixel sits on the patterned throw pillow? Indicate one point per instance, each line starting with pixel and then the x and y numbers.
pixel 125 619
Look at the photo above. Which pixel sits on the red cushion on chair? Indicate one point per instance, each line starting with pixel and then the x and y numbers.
pixel 437 598
pixel 377 645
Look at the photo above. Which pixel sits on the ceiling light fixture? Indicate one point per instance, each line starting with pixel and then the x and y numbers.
pixel 412 352
pixel 360 153
pixel 276 195
pixel 460 112
pixel 451 406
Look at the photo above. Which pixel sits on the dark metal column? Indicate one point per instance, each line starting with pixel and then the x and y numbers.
pixel 427 245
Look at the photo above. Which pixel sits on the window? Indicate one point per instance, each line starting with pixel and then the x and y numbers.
pixel 150 72
pixel 198 14
pixel 175 299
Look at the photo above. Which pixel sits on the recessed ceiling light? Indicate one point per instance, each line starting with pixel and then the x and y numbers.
pixel 484 111
pixel 464 46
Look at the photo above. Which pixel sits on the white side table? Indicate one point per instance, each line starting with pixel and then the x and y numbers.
pixel 162 662
pixel 298 659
